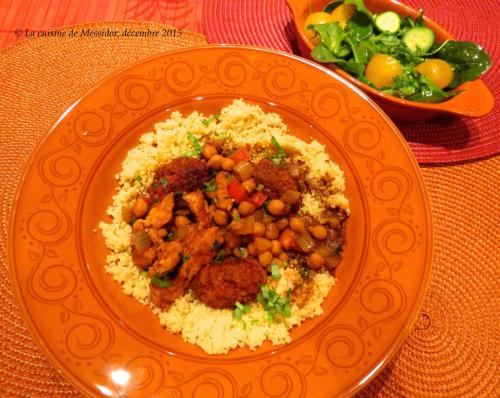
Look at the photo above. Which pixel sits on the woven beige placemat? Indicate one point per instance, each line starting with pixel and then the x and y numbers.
pixel 454 348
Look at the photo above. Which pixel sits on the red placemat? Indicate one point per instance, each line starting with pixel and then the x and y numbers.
pixel 448 139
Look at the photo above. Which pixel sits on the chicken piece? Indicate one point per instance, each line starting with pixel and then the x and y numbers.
pixel 161 213
pixel 222 285
pixel 276 180
pixel 224 201
pixel 196 203
pixel 164 296
pixel 144 258
pixel 199 250
pixel 180 175
pixel 168 256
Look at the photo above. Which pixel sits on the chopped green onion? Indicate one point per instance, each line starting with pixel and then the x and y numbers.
pixel 304 272
pixel 216 245
pixel 260 187
pixel 237 313
pixel 211 119
pixel 138 179
pixel 170 236
pixel 211 186
pixel 242 251
pixel 277 157
pixel 185 258
pixel 235 215
pixel 275 271
pixel 158 280
pixel 216 201
pixel 274 304
pixel 144 273
pixel 196 144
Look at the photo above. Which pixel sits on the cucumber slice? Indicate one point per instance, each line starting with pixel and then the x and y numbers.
pixel 388 22
pixel 419 39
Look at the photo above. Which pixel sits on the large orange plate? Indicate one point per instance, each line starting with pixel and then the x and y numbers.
pixel 106 343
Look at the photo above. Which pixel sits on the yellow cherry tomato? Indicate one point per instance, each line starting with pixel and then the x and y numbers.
pixel 382 69
pixel 343 13
pixel 437 71
pixel 316 18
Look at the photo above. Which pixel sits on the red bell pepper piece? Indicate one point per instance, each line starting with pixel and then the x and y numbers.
pixel 240 155
pixel 236 191
pixel 257 199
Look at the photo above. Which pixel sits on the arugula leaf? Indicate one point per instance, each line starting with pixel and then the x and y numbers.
pixel 321 53
pixel 332 6
pixel 332 35
pixel 359 27
pixel 276 158
pixel 360 6
pixel 468 59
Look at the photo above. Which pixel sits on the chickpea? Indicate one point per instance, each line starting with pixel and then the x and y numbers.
pixel 220 217
pixel 140 207
pixel 315 261
pixel 252 250
pixel 227 164
pixel 272 231
pixel 287 239
pixel 262 244
pixel 283 256
pixel 276 207
pixel 333 222
pixel 282 224
pixel 209 151
pixel 246 208
pixel 182 221
pixel 215 162
pixel 319 232
pixel 162 232
pixel 297 225
pixel 265 258
pixel 248 185
pixel 259 229
pixel 276 248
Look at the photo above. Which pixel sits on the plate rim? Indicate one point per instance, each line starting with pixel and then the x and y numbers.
pixel 430 253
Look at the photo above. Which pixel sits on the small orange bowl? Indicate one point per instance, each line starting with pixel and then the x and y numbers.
pixel 475 100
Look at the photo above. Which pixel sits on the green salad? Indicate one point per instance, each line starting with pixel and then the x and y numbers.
pixel 393 54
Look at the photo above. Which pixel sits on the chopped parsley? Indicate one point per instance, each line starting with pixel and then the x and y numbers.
pixel 260 187
pixel 196 144
pixel 275 271
pixel 219 257
pixel 277 157
pixel 274 304
pixel 161 280
pixel 211 119
pixel 171 236
pixel 240 310
pixel 242 251
pixel 138 179
pixel 211 186
pixel 185 258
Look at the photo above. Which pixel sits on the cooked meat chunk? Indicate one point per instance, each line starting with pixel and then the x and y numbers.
pixel 144 258
pixel 161 213
pixel 224 201
pixel 196 203
pixel 275 179
pixel 164 296
pixel 180 175
pixel 169 254
pixel 199 250
pixel 222 285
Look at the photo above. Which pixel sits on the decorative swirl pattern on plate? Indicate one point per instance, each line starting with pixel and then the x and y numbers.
pixel 91 128
pixel 282 380
pixel 180 77
pixel 59 169
pixel 52 283
pixel 362 137
pixel 146 376
pixel 49 226
pixel 132 92
pixel 279 81
pixel 342 345
pixel 395 237
pixel 328 101
pixel 232 70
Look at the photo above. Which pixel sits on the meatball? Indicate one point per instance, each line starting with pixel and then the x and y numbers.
pixel 180 175
pixel 276 180
pixel 221 285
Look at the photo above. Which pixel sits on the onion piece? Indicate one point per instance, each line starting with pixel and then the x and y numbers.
pixel 141 240
pixel 305 242
pixel 244 170
pixel 291 196
pixel 245 226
